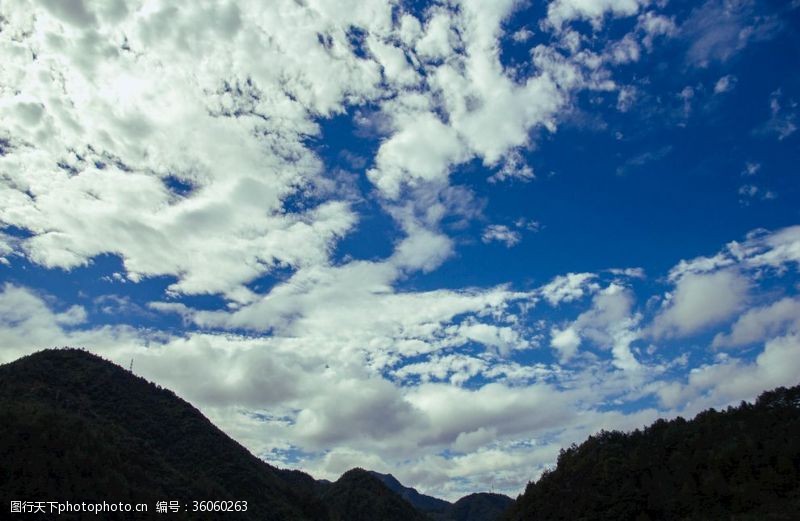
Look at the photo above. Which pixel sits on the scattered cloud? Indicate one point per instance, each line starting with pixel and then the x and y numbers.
pixel 783 117
pixel 560 12
pixel 718 29
pixel 501 233
pixel 751 168
pixel 569 287
pixel 725 84
pixel 749 192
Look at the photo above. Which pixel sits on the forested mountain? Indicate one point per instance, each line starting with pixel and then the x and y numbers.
pixel 76 427
pixel 428 504
pixel 482 506
pixel 360 496
pixel 742 463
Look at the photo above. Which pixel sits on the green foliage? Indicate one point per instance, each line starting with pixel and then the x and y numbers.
pixel 740 464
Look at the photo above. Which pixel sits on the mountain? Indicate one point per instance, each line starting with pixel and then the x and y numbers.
pixel 428 504
pixel 482 506
pixel 742 463
pixel 360 496
pixel 76 427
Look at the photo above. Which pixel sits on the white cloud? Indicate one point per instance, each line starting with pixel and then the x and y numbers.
pixel 522 35
pixel 128 120
pixel 725 84
pixel 569 287
pixel 760 324
pixel 457 369
pixel 566 342
pixel 168 147
pixel 700 301
pixel 750 192
pixel 633 273
pixel 719 29
pixel 654 25
pixel 731 380
pixel 751 168
pixel 7 247
pixel 783 117
pixel 514 167
pixel 560 12
pixel 501 233
pixel 438 38
pixel 626 98
pixel 422 149
pixel 611 324
pixel 761 253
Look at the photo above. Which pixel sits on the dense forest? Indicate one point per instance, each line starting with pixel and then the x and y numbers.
pixel 76 427
pixel 742 463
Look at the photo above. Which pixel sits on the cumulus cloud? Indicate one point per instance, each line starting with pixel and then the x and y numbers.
pixel 569 287
pixel 611 324
pixel 730 380
pixel 566 341
pixel 759 324
pixel 700 301
pixel 560 12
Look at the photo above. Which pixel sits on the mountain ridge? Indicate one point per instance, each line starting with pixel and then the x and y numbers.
pixel 126 439
pixel 76 427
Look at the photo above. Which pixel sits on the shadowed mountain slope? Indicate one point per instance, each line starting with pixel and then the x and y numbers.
pixel 419 501
pixel 75 427
pixel 739 464
pixel 360 496
pixel 481 506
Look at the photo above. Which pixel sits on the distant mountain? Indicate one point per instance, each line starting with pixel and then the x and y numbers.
pixel 428 504
pixel 360 496
pixel 474 507
pixel 739 464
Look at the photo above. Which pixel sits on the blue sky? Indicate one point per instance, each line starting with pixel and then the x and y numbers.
pixel 441 240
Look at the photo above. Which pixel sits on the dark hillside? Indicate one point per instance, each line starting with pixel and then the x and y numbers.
pixel 738 464
pixel 360 496
pixel 481 506
pixel 76 427
pixel 422 502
